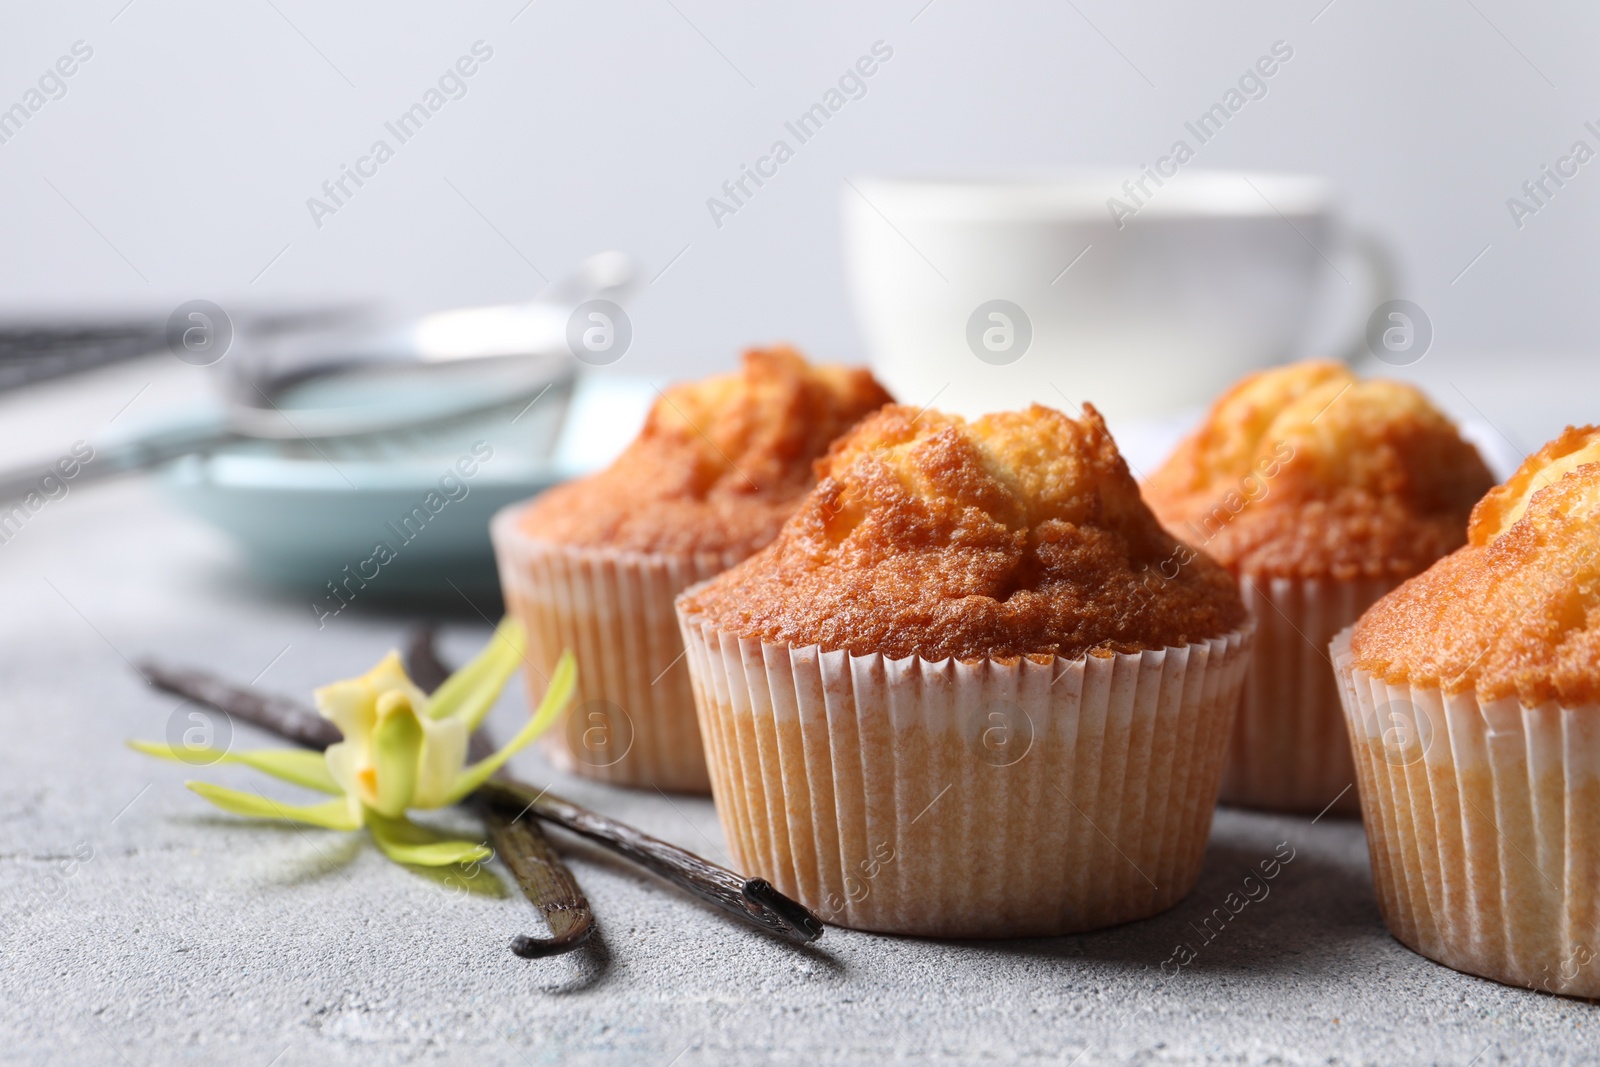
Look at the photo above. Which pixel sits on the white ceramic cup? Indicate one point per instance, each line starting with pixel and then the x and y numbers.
pixel 988 295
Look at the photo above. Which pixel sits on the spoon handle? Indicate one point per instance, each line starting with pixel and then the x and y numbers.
pixel 129 453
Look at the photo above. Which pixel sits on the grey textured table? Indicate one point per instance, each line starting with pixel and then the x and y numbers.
pixel 187 936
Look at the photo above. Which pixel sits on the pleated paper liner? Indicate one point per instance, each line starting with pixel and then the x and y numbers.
pixel 967 799
pixel 1483 822
pixel 633 719
pixel 1290 751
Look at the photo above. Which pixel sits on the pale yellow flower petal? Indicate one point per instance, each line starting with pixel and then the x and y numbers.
pixel 390 674
pixel 345 762
pixel 444 752
pixel 556 698
pixel 396 753
pixel 470 692
pixel 331 815
pixel 292 765
pixel 350 705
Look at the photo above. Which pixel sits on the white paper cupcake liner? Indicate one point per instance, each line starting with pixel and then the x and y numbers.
pixel 967 799
pixel 1290 751
pixel 1483 821
pixel 632 721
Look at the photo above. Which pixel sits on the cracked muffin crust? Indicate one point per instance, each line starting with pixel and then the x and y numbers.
pixel 1017 534
pixel 1306 471
pixel 720 463
pixel 1516 612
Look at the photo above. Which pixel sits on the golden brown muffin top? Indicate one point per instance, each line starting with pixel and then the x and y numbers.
pixel 1020 533
pixel 1517 611
pixel 719 465
pixel 1306 471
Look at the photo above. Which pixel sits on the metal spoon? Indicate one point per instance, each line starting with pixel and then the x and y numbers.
pixel 337 384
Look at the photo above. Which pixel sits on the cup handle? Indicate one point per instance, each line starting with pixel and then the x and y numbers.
pixel 1371 257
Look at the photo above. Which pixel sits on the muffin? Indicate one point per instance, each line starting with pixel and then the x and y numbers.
pixel 593 565
pixel 938 703
pixel 1473 699
pixel 1320 492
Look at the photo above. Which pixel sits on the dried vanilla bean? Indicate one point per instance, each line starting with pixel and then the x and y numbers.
pixel 520 843
pixel 754 900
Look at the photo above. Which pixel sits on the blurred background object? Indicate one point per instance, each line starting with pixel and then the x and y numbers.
pixel 135 190
pixel 993 294
pixel 336 431
pixel 49 348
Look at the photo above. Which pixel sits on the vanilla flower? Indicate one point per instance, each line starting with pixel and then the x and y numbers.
pixel 402 749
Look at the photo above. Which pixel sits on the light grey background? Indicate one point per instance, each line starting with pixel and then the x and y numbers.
pixel 186 148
